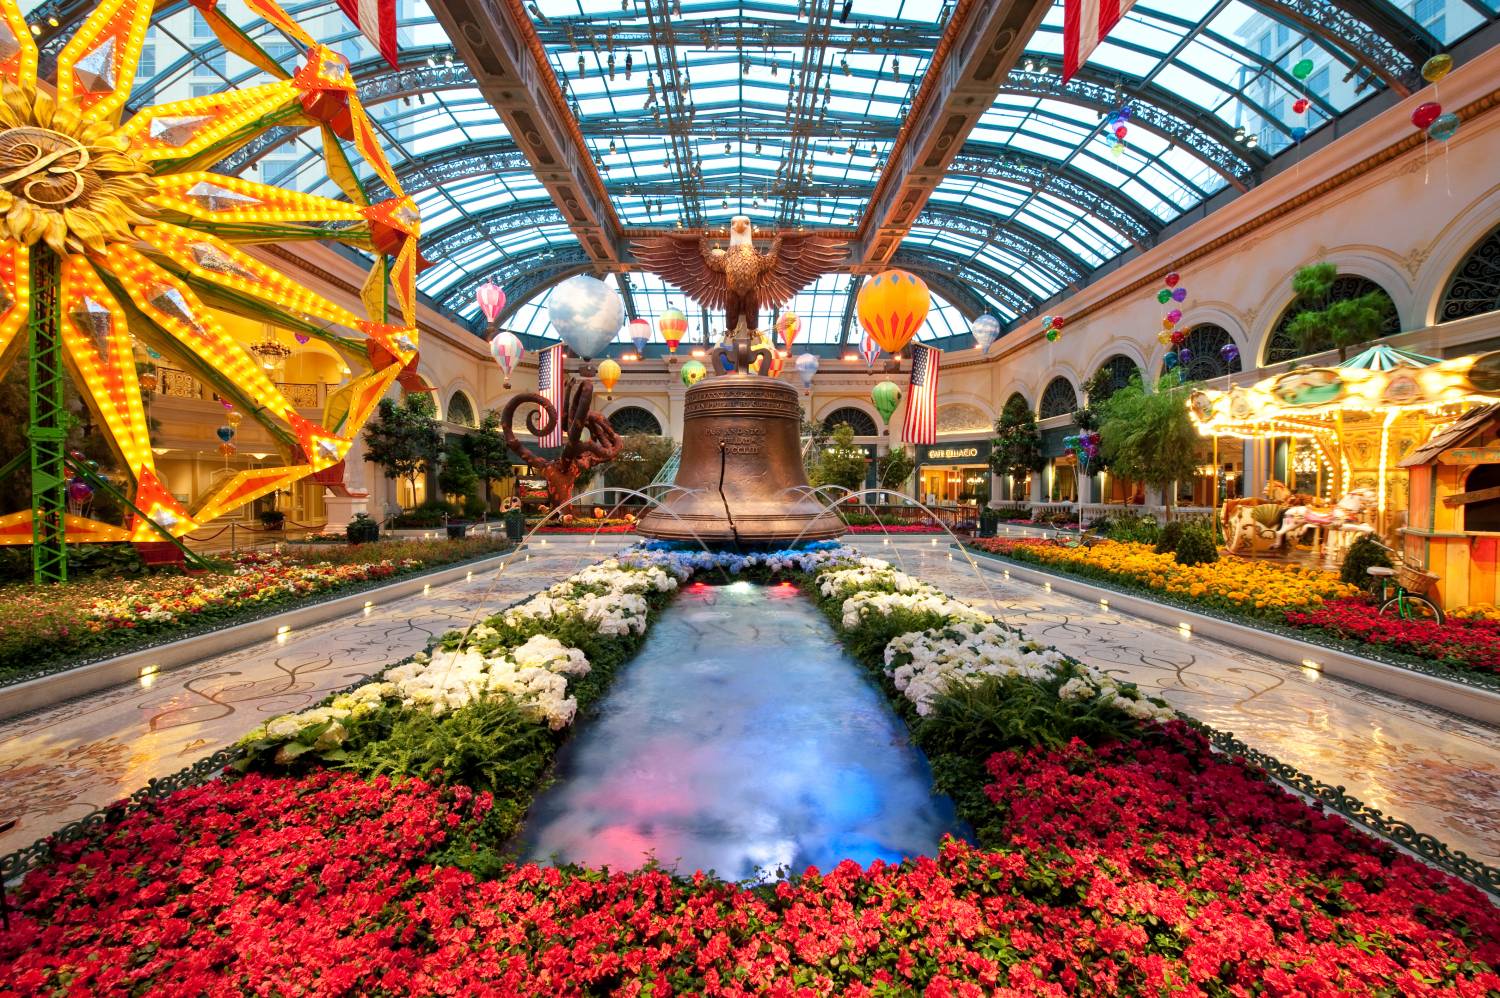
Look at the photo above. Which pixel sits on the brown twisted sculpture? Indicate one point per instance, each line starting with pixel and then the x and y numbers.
pixel 578 455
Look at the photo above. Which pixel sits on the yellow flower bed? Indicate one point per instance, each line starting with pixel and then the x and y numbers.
pixel 1260 588
pixel 1476 611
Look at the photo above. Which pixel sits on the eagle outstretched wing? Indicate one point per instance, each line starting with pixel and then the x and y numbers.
pixel 684 261
pixel 795 261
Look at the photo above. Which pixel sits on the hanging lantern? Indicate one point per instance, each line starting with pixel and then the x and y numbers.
pixel 892 306
pixel 491 300
pixel 693 372
pixel 807 367
pixel 1437 67
pixel 609 374
pixel 869 350
pixel 506 348
pixel 985 330
pixel 640 335
pixel 788 327
pixel 226 433
pixel 885 396
pixel 586 314
pixel 672 324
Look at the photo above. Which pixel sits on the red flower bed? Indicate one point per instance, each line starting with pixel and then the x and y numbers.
pixel 613 528
pixel 1470 644
pixel 1148 868
pixel 895 528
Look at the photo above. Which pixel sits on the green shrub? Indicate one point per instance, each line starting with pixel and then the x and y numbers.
pixel 474 508
pixel 362 529
pixel 432 513
pixel 1132 528
pixel 1363 554
pixel 1196 546
pixel 1171 534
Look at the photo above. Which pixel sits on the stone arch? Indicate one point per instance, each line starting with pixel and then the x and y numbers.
pixel 460 410
pixel 634 419
pixel 1473 285
pixel 1359 272
pixel 1122 367
pixel 1059 398
pixel 651 408
pixel 1205 344
pixel 861 422
pixel 958 415
pixel 1470 227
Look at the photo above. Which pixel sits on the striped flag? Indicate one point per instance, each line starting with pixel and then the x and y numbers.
pixel 1085 23
pixel 376 20
pixel 921 399
pixel 549 383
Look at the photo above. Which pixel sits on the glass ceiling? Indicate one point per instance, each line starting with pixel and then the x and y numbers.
pixel 786 110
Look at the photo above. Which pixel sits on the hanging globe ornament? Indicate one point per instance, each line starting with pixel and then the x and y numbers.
pixel 609 375
pixel 1444 127
pixel 884 396
pixel 1164 295
pixel 226 433
pixel 1120 132
pixel 1172 279
pixel 1301 104
pixel 1052 336
pixel 672 324
pixel 1057 321
pixel 1170 360
pixel 586 314
pixel 233 419
pixel 1299 133
pixel 807 367
pixel 1117 149
pixel 227 449
pixel 1303 69
pixel 985 329
pixel 1437 67
pixel 1229 352
pixel 1175 315
pixel 640 335
pixel 892 306
pixel 1164 338
pixel 80 491
pixel 506 348
pixel 693 372
pixel 1167 322
pixel 301 338
pixel 1179 294
pixel 1184 355
pixel 1426 113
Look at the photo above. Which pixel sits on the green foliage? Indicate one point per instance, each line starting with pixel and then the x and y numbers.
pixel 894 468
pixel 488 455
pixel 641 458
pixel 841 462
pixel 362 529
pixel 1321 323
pixel 432 513
pixel 1196 546
pixel 1137 528
pixel 1362 555
pixel 1170 536
pixel 1148 436
pixel 457 477
pixel 1017 447
pixel 404 438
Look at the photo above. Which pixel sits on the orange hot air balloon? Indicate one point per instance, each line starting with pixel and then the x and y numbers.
pixel 609 374
pixel 788 326
pixel 892 306
pixel 672 324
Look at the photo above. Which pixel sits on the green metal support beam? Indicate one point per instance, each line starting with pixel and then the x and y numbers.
pixel 48 429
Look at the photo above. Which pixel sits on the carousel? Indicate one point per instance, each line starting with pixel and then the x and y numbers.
pixel 1339 435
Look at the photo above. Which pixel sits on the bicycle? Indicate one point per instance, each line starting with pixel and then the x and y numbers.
pixel 1411 585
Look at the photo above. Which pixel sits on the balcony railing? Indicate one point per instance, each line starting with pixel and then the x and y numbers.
pixel 174 383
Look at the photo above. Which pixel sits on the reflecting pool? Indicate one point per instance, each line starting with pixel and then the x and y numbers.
pixel 741 740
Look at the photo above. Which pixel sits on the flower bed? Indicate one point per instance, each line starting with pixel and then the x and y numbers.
pixel 44 628
pixel 895 528
pixel 1117 854
pixel 1304 600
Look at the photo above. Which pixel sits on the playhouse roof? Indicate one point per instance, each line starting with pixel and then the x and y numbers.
pixel 1469 424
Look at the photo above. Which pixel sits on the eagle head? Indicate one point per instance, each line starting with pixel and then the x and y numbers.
pixel 740 231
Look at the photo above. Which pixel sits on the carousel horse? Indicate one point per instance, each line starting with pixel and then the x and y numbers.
pixel 1258 518
pixel 1343 519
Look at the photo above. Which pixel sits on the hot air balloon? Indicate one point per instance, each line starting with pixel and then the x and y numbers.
pixel 693 372
pixel 586 314
pixel 807 366
pixel 491 300
pixel 892 306
pixel 609 374
pixel 506 348
pixel 869 350
pixel 788 326
pixel 640 335
pixel 672 324
pixel 885 396
pixel 984 330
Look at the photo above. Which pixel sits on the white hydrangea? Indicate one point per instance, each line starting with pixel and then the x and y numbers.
pixel 544 652
pixel 866 604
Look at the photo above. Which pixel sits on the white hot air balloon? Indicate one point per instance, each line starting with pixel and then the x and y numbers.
pixel 506 348
pixel 586 314
pixel 985 329
pixel 807 366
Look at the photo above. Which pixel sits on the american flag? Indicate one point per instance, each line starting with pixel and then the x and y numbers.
pixel 921 399
pixel 549 382
pixel 376 20
pixel 1085 23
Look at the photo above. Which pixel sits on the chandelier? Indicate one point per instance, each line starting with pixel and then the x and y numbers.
pixel 272 354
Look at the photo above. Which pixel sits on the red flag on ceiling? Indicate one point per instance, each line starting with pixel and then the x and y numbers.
pixel 376 20
pixel 1085 23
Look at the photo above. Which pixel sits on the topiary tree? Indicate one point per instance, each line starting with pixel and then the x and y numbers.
pixel 1362 555
pixel 1017 447
pixel 841 462
pixel 457 477
pixel 1148 436
pixel 487 452
pixel 1196 546
pixel 404 437
pixel 894 468
pixel 1322 323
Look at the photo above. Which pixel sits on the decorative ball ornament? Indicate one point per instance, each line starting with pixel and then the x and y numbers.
pixel 80 491
pixel 1298 133
pixel 884 397
pixel 586 314
pixel 1172 279
pixel 1437 67
pixel 1178 337
pixel 507 349
pixel 672 324
pixel 491 300
pixel 1444 127
pixel 234 419
pixel 227 449
pixel 1164 338
pixel 1164 295
pixel 1170 360
pixel 985 330
pixel 1426 113
pixel 1300 105
pixel 225 433
pixel 609 375
pixel 1229 352
pixel 1121 131
pixel 1057 321
pixel 807 367
pixel 693 372
pixel 302 338
pixel 1175 315
pixel 788 326
pixel 1184 355
pixel 892 306
pixel 1303 69
pixel 1179 294
pixel 640 334
pixel 1167 322
pixel 1052 336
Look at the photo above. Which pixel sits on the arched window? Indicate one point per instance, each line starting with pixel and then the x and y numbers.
pixel 1016 399
pixel 1205 345
pixel 1283 347
pixel 1483 515
pixel 461 410
pixel 1059 399
pixel 1474 288
pixel 859 421
pixel 1112 375
pixel 633 419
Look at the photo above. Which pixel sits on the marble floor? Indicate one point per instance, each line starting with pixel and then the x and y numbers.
pixel 1436 771
pixel 743 741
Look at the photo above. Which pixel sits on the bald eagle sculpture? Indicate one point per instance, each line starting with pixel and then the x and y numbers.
pixel 740 280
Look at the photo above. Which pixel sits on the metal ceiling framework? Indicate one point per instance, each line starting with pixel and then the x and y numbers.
pixel 944 178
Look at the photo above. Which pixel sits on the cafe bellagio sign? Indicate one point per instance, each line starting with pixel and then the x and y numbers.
pixel 959 452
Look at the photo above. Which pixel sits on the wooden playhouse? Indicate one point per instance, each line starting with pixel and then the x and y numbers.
pixel 1453 520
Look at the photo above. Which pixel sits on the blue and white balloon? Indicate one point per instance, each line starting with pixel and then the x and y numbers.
pixel 985 329
pixel 586 314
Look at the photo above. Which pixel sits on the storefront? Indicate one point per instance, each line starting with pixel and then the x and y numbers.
pixel 954 472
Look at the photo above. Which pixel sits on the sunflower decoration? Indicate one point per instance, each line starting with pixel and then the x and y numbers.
pixel 117 237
